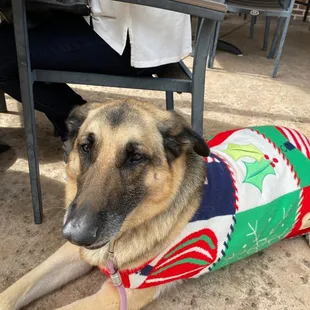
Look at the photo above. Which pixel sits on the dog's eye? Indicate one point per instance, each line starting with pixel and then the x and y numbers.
pixel 85 148
pixel 136 158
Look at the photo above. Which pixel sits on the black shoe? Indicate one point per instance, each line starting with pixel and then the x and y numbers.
pixel 4 147
pixel 60 133
pixel 56 132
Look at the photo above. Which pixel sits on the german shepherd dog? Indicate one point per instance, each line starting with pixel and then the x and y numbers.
pixel 135 178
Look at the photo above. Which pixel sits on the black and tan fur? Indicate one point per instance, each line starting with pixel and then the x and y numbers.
pixel 135 176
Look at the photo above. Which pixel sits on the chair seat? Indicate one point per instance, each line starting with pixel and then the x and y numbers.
pixel 259 5
pixel 173 71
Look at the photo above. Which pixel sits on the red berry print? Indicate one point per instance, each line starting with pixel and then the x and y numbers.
pixel 273 162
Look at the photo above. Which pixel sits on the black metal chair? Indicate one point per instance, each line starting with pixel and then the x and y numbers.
pixel 307 5
pixel 268 8
pixel 176 79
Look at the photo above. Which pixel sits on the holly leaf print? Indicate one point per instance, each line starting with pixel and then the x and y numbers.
pixel 237 151
pixel 257 171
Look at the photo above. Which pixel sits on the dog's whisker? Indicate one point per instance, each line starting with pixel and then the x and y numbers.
pixel 58 213
pixel 53 216
pixel 54 208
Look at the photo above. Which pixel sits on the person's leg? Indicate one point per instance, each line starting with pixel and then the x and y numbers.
pixel 64 43
pixel 68 43
pixel 55 100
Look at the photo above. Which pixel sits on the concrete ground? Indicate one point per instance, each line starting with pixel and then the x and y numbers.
pixel 239 92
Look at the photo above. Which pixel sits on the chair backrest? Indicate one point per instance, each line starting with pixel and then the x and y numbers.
pixel 265 7
pixel 209 9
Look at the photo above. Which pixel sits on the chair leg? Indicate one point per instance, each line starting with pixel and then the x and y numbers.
pixel 213 45
pixel 26 85
pixel 276 37
pixel 3 107
pixel 199 71
pixel 306 12
pixel 266 36
pixel 196 33
pixel 197 27
pixel 169 100
pixel 253 22
pixel 284 32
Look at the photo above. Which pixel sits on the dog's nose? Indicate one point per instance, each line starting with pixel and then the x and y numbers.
pixel 80 232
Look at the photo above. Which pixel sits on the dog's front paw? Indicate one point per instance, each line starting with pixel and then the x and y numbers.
pixel 5 303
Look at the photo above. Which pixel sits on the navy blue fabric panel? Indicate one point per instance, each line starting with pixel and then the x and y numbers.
pixel 218 195
pixel 145 271
pixel 289 146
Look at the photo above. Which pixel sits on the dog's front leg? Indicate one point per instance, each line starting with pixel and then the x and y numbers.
pixel 107 298
pixel 60 268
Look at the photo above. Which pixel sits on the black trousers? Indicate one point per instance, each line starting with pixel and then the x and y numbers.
pixel 63 43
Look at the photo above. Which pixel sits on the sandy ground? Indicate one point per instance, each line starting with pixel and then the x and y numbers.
pixel 239 92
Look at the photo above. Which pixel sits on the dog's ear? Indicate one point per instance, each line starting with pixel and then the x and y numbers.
pixel 77 117
pixel 179 137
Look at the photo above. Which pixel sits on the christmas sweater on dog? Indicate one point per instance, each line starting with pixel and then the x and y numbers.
pixel 257 192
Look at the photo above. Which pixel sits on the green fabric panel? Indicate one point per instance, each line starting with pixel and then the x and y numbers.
pixel 182 261
pixel 204 238
pixel 258 228
pixel 299 161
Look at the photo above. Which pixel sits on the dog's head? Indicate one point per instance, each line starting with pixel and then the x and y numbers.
pixel 127 161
